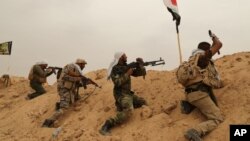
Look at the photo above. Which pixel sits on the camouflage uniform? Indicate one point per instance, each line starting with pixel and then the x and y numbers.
pixel 199 95
pixel 125 99
pixel 67 89
pixel 37 77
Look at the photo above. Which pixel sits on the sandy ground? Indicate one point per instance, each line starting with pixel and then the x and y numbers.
pixel 161 120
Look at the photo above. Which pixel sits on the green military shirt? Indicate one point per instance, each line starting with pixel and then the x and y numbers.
pixel 122 81
pixel 37 74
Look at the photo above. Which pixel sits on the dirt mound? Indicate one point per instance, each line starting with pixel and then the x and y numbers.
pixel 20 120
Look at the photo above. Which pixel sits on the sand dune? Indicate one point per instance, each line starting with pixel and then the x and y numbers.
pixel 20 120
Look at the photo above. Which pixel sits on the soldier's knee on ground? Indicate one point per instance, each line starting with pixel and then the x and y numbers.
pixel 186 107
pixel 123 116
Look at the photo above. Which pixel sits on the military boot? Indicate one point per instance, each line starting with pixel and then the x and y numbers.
pixel 105 130
pixel 192 135
pixel 48 123
pixel 186 107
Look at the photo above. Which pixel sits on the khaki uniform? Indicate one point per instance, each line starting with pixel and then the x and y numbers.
pixel 67 88
pixel 202 101
pixel 125 99
pixel 199 95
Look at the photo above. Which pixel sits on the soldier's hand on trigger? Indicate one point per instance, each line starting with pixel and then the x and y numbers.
pixel 129 72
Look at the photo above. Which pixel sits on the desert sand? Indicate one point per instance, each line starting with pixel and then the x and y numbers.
pixel 161 120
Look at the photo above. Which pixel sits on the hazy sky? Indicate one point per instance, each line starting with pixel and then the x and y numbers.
pixel 59 31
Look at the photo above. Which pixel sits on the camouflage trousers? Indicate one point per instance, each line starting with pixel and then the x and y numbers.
pixel 67 98
pixel 39 90
pixel 205 104
pixel 127 102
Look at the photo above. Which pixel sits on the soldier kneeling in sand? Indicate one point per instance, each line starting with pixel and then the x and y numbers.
pixel 125 99
pixel 38 76
pixel 199 81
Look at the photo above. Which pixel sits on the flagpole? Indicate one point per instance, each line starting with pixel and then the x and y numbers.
pixel 173 9
pixel 179 45
pixel 9 64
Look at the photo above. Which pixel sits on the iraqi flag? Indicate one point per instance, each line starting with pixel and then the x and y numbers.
pixel 173 9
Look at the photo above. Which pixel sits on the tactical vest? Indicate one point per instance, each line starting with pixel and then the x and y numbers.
pixel 211 76
pixel 65 78
pixel 189 73
pixel 33 76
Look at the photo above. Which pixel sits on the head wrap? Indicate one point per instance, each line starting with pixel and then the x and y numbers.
pixel 117 57
pixel 196 51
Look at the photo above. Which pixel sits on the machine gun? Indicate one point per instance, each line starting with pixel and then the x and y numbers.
pixel 54 69
pixel 137 64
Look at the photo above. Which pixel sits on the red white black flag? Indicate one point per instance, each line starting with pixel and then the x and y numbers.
pixel 173 9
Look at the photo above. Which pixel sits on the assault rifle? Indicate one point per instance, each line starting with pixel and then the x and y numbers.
pixel 85 81
pixel 58 73
pixel 137 64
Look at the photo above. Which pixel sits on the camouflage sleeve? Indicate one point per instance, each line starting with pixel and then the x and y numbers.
pixel 141 71
pixel 68 77
pixel 38 70
pixel 119 77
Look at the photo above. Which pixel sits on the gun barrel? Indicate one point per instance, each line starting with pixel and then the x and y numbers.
pixel 57 68
pixel 155 63
pixel 89 81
